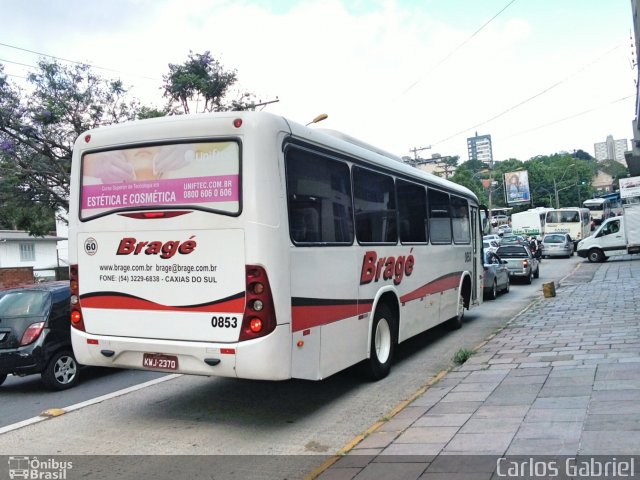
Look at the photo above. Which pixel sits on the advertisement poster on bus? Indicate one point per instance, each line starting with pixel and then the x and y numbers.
pixel 516 187
pixel 199 174
pixel 630 187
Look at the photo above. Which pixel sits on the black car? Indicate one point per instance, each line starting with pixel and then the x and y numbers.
pixel 35 334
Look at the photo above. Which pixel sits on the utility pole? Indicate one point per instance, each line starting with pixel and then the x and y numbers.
pixel 415 151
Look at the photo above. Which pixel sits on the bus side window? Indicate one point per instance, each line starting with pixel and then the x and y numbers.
pixel 412 211
pixel 305 224
pixel 439 217
pixel 375 206
pixel 319 199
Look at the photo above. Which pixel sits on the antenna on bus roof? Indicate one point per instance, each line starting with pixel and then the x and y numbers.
pixel 319 118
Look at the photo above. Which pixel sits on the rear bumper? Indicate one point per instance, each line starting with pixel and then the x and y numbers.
pixel 266 358
pixel 557 253
pixel 22 361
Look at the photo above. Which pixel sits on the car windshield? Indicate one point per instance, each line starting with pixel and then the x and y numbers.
pixel 554 239
pixel 24 303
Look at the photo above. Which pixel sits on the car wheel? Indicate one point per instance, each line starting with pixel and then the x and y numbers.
pixel 62 371
pixel 507 285
pixel 493 293
pixel 529 277
pixel 383 342
pixel 595 255
pixel 3 377
pixel 537 273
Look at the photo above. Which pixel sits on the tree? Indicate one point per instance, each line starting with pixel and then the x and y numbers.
pixel 203 78
pixel 467 178
pixel 615 169
pixel 38 128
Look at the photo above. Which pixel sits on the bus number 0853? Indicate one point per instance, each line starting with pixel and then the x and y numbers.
pixel 224 322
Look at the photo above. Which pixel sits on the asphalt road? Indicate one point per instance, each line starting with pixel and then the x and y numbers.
pixel 26 397
pixel 190 415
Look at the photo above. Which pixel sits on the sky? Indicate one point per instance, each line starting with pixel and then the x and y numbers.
pixel 539 76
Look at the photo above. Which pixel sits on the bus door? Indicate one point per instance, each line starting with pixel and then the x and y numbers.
pixel 477 284
pixel 324 271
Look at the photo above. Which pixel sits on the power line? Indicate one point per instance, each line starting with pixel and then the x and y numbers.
pixel 74 61
pixel 523 102
pixel 450 54
pixel 584 112
pixel 17 63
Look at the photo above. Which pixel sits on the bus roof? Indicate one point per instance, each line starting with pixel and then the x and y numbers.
pixel 200 125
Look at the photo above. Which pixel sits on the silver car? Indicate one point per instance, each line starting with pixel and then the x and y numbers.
pixel 557 245
pixel 496 276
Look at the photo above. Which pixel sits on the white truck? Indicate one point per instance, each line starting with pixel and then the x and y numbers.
pixel 615 236
pixel 530 222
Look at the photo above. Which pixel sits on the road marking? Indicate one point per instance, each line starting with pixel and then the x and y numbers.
pixel 56 412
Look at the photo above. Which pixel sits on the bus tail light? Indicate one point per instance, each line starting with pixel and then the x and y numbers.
pixel 76 311
pixel 259 312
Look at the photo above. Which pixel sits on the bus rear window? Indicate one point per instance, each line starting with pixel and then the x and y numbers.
pixel 204 175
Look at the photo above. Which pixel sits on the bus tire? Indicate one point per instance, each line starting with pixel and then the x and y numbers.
pixel 3 377
pixel 455 323
pixel 595 255
pixel 383 343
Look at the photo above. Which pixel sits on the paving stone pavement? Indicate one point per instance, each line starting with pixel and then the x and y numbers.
pixel 561 378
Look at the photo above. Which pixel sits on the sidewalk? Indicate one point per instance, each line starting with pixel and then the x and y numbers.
pixel 562 378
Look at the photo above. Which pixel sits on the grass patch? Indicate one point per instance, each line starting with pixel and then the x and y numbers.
pixel 462 355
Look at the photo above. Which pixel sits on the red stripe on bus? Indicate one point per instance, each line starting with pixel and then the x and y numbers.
pixel 112 301
pixel 313 316
pixel 441 284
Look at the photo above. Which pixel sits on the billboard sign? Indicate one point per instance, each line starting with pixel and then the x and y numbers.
pixel 630 187
pixel 516 187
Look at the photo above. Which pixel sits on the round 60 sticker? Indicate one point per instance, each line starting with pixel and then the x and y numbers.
pixel 90 246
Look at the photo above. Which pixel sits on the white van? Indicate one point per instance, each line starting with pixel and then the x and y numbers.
pixel 615 236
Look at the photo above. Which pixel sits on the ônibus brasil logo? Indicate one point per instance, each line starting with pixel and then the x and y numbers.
pixel 34 468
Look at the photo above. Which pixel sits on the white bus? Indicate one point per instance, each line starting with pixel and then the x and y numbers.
pixel 599 208
pixel 572 220
pixel 245 245
pixel 530 222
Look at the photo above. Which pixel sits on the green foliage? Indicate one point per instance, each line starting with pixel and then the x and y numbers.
pixel 202 79
pixel 462 355
pixel 37 131
pixel 615 169
pixel 467 178
pixel 568 175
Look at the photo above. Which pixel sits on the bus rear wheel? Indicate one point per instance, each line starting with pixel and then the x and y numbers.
pixel 383 343
pixel 456 322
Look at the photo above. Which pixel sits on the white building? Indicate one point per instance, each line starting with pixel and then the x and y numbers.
pixel 611 150
pixel 19 249
pixel 480 148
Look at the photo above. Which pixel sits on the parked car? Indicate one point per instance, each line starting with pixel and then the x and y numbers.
pixel 520 262
pixel 35 334
pixel 499 220
pixel 504 230
pixel 496 276
pixel 496 238
pixel 490 246
pixel 513 240
pixel 557 245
